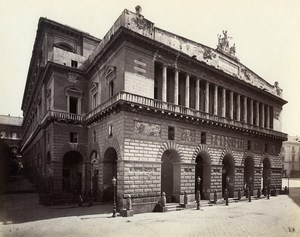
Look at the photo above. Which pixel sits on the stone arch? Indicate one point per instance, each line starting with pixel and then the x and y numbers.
pixel 265 156
pixel 112 142
pixel 202 160
pixel 72 147
pixel 201 148
pixel 171 174
pixel 227 160
pixel 170 146
pixel 225 152
pixel 246 155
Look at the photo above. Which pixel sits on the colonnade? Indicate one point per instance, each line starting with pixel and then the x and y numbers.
pixel 222 101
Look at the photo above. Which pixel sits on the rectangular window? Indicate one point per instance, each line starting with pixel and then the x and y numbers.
pixel 293 157
pixel 171 133
pixel 203 137
pixel 2 134
pixel 111 89
pixel 94 100
pixel 74 64
pixel 110 130
pixel 94 136
pixel 266 147
pixel 73 137
pixel 14 135
pixel 249 145
pixel 73 102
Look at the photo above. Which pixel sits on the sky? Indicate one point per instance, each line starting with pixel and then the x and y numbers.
pixel 266 34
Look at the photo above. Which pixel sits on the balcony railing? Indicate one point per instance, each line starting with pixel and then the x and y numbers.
pixel 177 109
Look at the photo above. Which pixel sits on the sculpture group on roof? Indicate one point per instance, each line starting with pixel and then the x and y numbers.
pixel 223 44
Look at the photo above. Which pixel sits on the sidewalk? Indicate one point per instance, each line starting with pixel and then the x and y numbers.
pixel 278 216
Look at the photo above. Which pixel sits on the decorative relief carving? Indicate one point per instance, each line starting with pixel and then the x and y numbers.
pixel 208 54
pixel 147 129
pixel 226 141
pixel 73 77
pixel 187 135
pixel 143 169
pixel 188 170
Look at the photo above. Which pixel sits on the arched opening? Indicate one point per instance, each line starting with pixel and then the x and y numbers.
pixel 249 172
pixel 94 175
pixel 72 173
pixel 109 171
pixel 170 175
pixel 228 175
pixel 266 173
pixel 203 171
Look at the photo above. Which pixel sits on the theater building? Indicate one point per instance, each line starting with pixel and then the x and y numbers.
pixel 151 108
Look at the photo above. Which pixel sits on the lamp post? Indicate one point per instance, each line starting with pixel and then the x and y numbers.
pixel 268 188
pixel 249 194
pixel 114 182
pixel 198 196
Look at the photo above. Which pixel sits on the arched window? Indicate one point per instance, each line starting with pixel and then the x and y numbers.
pixel 65 47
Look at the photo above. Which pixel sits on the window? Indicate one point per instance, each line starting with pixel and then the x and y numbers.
pixel 73 137
pixel 111 89
pixel 94 100
pixel 293 157
pixel 110 130
pixel 203 137
pixel 249 145
pixel 74 64
pixel 171 133
pixel 293 149
pixel 2 134
pixel 266 147
pixel 282 158
pixel 14 135
pixel 73 101
pixel 94 136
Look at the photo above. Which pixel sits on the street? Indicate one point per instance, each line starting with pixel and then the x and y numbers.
pixel 21 215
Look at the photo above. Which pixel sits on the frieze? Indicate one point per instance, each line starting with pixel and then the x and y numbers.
pixel 142 169
pixel 147 129
pixel 187 135
pixel 226 141
pixel 258 146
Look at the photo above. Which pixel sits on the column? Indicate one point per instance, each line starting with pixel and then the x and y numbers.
pixel 251 112
pixel 231 105
pixel 216 100
pixel 238 109
pixel 245 109
pixel 197 94
pixel 176 88
pixel 164 84
pixel 268 117
pixel 257 114
pixel 224 102
pixel 262 115
pixel 207 97
pixel 187 91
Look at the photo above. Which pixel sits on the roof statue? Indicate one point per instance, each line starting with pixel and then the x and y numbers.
pixel 223 45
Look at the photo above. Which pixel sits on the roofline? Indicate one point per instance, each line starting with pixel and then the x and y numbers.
pixel 41 26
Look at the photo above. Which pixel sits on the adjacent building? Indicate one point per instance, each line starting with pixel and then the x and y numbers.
pixel 291 157
pixel 10 158
pixel 152 109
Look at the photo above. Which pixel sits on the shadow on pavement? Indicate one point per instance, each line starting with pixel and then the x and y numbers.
pixel 295 195
pixel 20 208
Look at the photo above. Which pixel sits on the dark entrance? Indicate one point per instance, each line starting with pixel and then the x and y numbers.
pixel 266 173
pixel 202 170
pixel 170 175
pixel 228 172
pixel 72 173
pixel 249 172
pixel 109 171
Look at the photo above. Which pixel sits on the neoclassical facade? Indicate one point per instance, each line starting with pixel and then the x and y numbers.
pixel 151 108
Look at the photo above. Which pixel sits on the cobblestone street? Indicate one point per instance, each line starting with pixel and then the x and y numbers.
pixel 278 216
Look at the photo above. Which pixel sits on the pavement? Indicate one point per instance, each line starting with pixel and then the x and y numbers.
pixel 21 215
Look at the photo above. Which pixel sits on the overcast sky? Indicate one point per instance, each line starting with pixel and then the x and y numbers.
pixel 266 34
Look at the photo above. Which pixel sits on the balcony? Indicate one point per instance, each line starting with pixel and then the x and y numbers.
pixel 63 116
pixel 180 111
